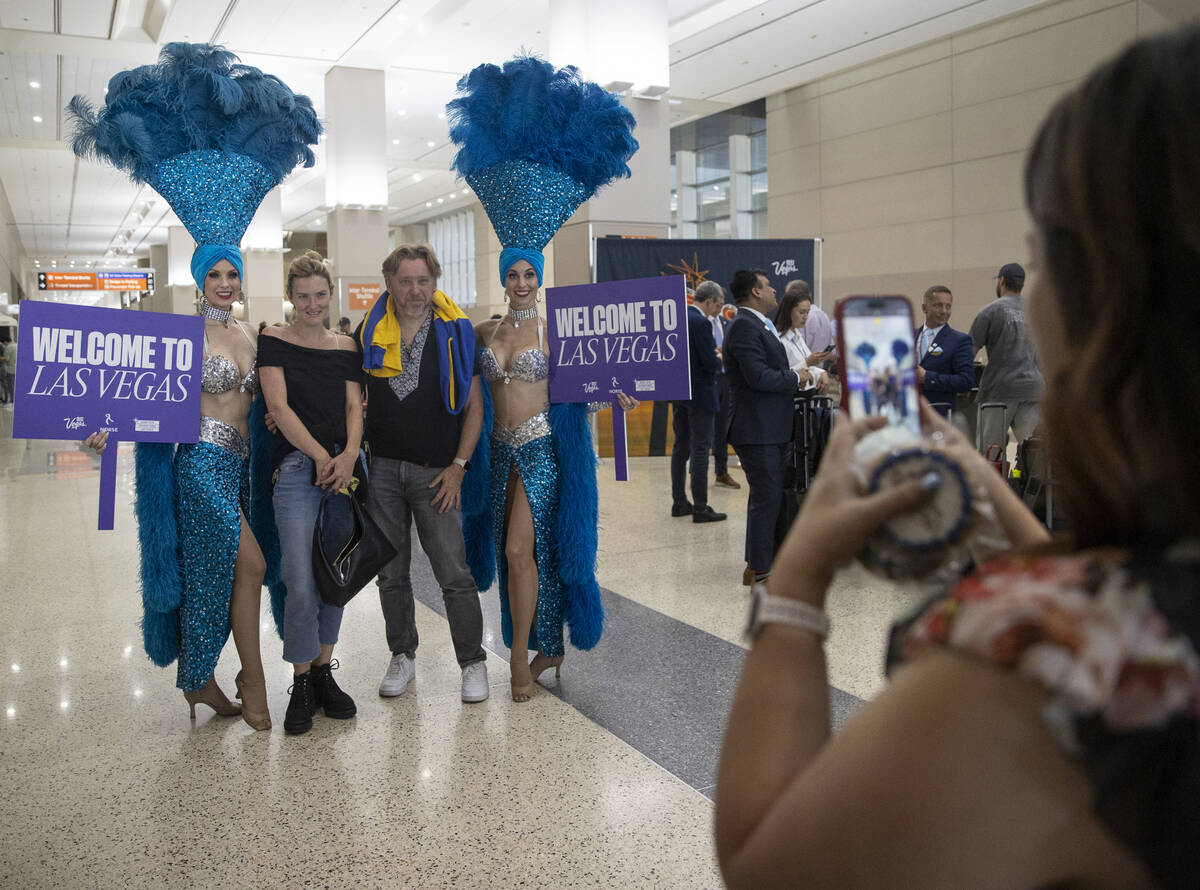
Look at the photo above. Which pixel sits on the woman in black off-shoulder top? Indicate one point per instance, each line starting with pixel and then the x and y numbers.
pixel 311 379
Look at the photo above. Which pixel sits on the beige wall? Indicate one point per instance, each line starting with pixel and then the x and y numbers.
pixel 910 167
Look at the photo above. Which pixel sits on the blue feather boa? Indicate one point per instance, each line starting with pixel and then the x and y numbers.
pixel 158 541
pixel 576 526
pixel 262 506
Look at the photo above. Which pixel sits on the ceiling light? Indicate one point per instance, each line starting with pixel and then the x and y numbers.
pixel 441 200
pixel 395 142
pixel 37 118
pixel 453 196
pixel 428 203
pixel 416 177
pixel 430 143
pixel 34 84
pixel 401 112
pixel 441 115
pixel 37 262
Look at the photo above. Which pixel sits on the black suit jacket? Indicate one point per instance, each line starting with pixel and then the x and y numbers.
pixel 702 355
pixel 761 385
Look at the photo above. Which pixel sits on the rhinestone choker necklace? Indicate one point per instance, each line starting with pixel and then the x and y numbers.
pixel 516 316
pixel 221 315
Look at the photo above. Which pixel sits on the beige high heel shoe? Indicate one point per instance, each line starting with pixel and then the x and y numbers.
pixel 536 671
pixel 256 718
pixel 210 694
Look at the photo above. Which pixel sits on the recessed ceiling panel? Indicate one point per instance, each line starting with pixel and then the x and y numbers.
pixel 27 15
pixel 313 29
pixel 86 18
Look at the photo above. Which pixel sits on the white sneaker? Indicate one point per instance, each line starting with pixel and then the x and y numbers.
pixel 475 682
pixel 400 670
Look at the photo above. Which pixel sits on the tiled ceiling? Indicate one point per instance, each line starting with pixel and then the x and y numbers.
pixel 723 53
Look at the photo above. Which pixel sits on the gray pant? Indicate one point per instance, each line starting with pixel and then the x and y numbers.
pixel 398 494
pixel 1022 417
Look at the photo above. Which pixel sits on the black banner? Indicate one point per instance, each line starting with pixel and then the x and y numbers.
pixel 702 259
pixel 705 259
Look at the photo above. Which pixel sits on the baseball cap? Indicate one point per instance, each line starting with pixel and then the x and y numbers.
pixel 1012 272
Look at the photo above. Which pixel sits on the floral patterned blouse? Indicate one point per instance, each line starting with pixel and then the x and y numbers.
pixel 1113 639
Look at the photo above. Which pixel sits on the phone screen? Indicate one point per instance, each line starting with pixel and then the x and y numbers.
pixel 876 343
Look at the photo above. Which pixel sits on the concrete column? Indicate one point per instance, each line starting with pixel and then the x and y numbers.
pixel 622 44
pixel 262 251
pixel 159 300
pixel 356 188
pixel 740 198
pixel 640 205
pixel 179 290
pixel 687 202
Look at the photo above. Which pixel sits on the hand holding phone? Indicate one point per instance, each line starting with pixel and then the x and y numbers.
pixel 877 360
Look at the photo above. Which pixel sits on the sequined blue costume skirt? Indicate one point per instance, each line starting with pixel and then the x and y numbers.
pixel 211 494
pixel 530 450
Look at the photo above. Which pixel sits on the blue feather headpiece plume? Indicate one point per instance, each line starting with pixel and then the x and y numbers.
pixel 535 142
pixel 210 135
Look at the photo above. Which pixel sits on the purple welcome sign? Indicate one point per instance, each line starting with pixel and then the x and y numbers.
pixel 81 370
pixel 619 336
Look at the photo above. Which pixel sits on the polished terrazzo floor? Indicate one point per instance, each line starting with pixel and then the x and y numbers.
pixel 603 780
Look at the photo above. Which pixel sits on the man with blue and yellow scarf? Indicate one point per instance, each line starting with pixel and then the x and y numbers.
pixel 424 414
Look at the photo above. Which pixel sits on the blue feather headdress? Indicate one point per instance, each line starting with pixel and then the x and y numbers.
pixel 535 142
pixel 210 135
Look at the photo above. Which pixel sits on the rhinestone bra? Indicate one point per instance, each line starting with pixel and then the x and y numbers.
pixel 219 374
pixel 528 366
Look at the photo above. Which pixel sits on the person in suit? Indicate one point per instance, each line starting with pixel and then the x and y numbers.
pixel 945 358
pixel 720 448
pixel 693 418
pixel 760 424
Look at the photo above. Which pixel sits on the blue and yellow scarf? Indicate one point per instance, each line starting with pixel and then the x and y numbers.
pixel 452 330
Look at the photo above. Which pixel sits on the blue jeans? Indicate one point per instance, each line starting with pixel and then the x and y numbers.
pixel 308 622
pixel 398 494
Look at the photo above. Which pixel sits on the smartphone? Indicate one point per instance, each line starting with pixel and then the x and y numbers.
pixel 877 359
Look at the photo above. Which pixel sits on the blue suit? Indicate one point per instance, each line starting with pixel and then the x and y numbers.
pixel 761 389
pixel 949 367
pixel 693 419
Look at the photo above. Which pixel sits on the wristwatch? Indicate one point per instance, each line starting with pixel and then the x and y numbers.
pixel 463 462
pixel 767 609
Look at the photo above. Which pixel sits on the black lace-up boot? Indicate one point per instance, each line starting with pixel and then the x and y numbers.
pixel 329 695
pixel 301 707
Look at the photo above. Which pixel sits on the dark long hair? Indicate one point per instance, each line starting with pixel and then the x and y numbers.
pixel 1113 185
pixel 783 314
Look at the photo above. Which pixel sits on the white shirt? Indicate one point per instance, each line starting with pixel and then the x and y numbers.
pixel 798 353
pixel 931 334
pixel 770 327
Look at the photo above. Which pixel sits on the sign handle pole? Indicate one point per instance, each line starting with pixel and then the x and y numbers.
pixel 108 486
pixel 620 444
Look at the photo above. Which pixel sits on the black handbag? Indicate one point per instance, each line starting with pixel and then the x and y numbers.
pixel 349 548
